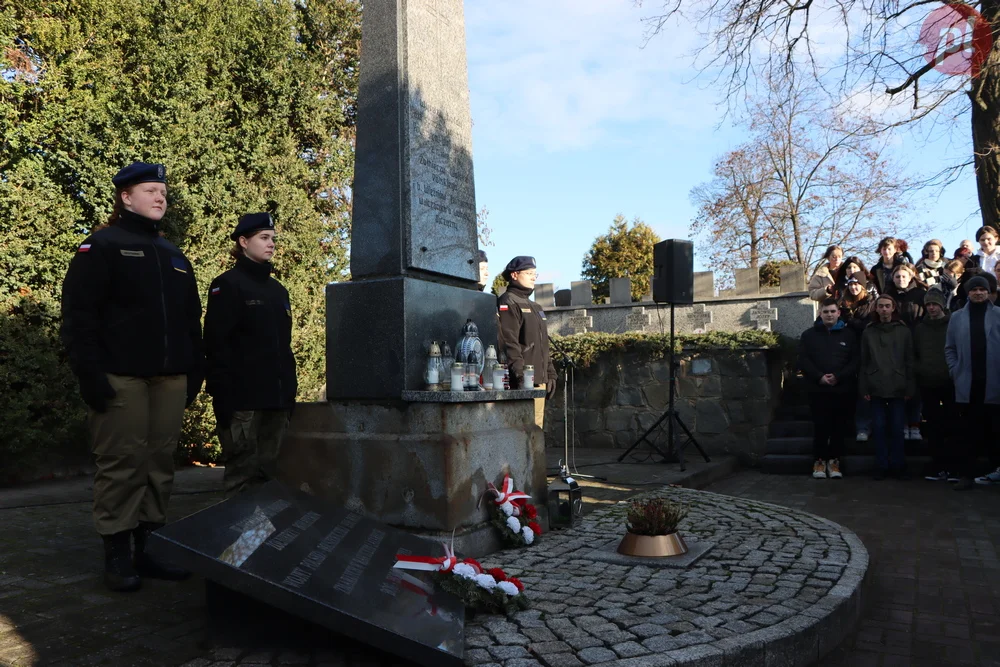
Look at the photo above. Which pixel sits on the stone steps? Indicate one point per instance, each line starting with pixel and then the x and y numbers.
pixel 804 445
pixel 852 464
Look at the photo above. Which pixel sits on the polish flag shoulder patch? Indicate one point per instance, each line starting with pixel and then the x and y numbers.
pixel 215 290
pixel 503 307
pixel 84 248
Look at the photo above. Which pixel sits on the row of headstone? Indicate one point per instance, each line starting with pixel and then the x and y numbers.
pixel 700 317
pixel 581 292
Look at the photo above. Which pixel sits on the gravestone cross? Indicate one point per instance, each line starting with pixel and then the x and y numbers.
pixel 763 315
pixel 700 317
pixel 581 322
pixel 638 319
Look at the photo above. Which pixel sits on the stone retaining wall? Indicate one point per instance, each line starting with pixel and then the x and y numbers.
pixel 725 397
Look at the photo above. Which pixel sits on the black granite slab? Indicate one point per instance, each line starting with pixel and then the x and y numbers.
pixel 472 396
pixel 326 565
pixel 378 332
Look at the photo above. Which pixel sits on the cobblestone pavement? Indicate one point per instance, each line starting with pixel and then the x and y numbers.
pixel 766 566
pixel 765 588
pixel 934 594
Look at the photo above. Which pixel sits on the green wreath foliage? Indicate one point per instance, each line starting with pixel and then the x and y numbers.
pixel 478 598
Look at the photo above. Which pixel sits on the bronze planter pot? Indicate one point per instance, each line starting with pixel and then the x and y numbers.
pixel 652 546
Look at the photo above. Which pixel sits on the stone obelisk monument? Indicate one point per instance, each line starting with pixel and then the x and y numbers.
pixel 414 244
pixel 379 445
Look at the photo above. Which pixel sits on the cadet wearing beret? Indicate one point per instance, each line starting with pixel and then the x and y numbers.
pixel 132 331
pixel 251 369
pixel 524 335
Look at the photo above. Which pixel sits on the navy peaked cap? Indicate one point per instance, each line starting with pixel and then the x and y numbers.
pixel 251 222
pixel 519 263
pixel 139 172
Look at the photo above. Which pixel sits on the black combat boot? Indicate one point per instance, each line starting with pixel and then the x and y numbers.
pixel 119 575
pixel 146 565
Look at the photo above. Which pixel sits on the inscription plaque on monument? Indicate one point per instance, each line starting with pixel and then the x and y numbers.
pixel 329 566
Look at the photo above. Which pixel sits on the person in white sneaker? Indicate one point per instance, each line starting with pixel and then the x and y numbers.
pixel 828 358
pixel 972 351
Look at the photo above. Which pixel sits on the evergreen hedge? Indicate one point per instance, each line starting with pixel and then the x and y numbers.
pixel 250 106
pixel 584 349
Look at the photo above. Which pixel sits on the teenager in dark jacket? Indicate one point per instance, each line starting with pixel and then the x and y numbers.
pixel 852 267
pixel 889 258
pixel 887 380
pixel 132 330
pixel 937 392
pixel 961 294
pixel 251 369
pixel 828 358
pixel 856 309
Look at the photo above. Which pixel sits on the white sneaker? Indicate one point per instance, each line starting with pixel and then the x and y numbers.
pixel 862 436
pixel 819 469
pixel 989 478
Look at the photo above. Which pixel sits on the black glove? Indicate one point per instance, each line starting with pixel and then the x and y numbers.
pixel 550 389
pixel 223 413
pixel 96 391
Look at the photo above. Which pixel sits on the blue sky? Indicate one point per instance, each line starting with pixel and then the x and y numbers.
pixel 574 121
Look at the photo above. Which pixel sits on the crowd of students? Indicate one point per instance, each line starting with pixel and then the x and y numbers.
pixel 912 350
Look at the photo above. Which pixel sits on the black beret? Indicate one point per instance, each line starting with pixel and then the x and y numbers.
pixel 251 222
pixel 139 172
pixel 519 263
pixel 482 256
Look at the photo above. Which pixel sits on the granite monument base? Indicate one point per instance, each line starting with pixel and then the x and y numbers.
pixel 379 331
pixel 421 465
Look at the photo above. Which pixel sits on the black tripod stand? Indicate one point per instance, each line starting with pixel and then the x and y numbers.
pixel 674 452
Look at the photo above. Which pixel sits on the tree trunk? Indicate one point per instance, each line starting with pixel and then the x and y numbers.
pixel 985 97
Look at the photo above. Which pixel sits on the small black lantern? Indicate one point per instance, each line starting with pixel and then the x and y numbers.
pixel 565 501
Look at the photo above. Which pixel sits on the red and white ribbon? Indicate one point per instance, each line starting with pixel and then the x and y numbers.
pixel 428 563
pixel 507 492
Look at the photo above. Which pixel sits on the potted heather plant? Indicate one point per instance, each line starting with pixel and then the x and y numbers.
pixel 651 527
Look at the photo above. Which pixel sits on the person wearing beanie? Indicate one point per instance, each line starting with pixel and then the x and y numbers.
pixel 856 309
pixel 931 263
pixel 886 379
pixel 523 331
pixel 132 331
pixel 988 254
pixel 937 392
pixel 251 368
pixel 961 298
pixel 972 351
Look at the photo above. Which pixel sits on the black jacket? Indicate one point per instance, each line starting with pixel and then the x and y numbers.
pixel 524 337
pixel 911 304
pixel 130 306
pixel 823 351
pixel 858 315
pixel 248 340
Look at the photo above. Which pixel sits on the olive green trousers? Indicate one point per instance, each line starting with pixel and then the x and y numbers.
pixel 250 447
pixel 133 443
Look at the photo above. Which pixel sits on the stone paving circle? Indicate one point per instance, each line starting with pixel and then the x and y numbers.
pixel 779 587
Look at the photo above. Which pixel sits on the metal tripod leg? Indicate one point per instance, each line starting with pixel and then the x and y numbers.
pixel 690 441
pixel 645 436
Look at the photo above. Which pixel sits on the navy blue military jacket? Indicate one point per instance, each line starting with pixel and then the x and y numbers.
pixel 130 305
pixel 248 339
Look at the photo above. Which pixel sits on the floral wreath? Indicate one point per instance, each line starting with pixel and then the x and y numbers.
pixel 490 591
pixel 513 515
